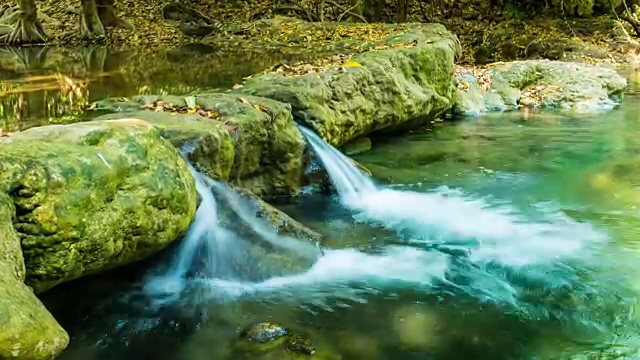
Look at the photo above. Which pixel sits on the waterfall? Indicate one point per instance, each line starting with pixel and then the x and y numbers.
pixel 244 249
pixel 449 219
pixel 348 180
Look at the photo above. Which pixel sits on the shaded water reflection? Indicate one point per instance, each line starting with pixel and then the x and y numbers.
pixel 41 85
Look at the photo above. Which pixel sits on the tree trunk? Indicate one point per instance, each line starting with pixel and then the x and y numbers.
pixel 108 16
pixel 401 10
pixel 372 10
pixel 90 24
pixel 26 28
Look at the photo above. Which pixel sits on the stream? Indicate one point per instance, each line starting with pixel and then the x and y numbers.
pixel 507 236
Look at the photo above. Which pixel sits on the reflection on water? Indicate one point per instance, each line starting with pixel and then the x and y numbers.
pixel 55 85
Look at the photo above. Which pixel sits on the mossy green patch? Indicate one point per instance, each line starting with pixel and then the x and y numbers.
pixel 398 87
pixel 27 329
pixel 253 143
pixel 93 196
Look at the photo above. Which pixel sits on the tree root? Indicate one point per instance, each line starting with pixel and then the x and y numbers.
pixel 90 24
pixel 23 30
pixel 107 15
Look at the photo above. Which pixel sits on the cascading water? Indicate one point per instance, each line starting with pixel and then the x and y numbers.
pixel 449 218
pixel 233 269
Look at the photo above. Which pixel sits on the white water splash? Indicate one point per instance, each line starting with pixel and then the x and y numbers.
pixel 489 233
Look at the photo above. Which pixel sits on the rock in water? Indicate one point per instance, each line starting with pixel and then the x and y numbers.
pixel 27 329
pixel 257 147
pixel 538 83
pixel 298 343
pixel 263 332
pixel 407 84
pixel 93 196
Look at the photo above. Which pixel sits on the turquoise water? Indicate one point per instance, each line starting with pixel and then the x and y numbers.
pixel 381 291
pixel 574 297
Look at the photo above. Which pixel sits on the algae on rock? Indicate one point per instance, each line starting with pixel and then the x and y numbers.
pixel 92 196
pixel 27 329
pixel 254 143
pixel 406 85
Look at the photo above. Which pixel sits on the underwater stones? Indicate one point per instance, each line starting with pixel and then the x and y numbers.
pixel 395 88
pixel 93 196
pixel 263 332
pixel 27 329
pixel 298 343
pixel 248 141
pixel 278 338
pixel 538 83
pixel 357 146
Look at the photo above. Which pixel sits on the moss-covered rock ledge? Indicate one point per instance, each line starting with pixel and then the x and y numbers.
pixel 92 196
pixel 248 141
pixel 402 81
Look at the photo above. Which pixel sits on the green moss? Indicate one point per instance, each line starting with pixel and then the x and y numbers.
pixel 27 329
pixel 396 88
pixel 263 152
pixel 82 209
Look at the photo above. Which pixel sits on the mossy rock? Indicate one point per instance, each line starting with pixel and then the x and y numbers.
pixel 28 330
pixel 92 196
pixel 281 223
pixel 405 85
pixel 254 143
pixel 540 83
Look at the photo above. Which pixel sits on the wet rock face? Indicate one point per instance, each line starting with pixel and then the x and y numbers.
pixel 538 83
pixel 92 196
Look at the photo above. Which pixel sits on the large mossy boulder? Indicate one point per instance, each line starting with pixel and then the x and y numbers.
pixel 403 80
pixel 537 83
pixel 248 141
pixel 92 196
pixel 27 329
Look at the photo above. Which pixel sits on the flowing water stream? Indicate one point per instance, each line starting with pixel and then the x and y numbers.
pixel 508 236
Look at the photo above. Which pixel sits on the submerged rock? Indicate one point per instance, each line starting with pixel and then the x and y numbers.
pixel 298 343
pixel 28 330
pixel 537 83
pixel 250 142
pixel 92 196
pixel 263 332
pixel 357 146
pixel 407 83
pixel 272 338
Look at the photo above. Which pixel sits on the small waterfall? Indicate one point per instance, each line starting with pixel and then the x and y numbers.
pixel 205 226
pixel 285 243
pixel 450 219
pixel 242 250
pixel 348 180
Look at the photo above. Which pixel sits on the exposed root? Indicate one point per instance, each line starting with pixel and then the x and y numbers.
pixel 107 15
pixel 90 24
pixel 24 30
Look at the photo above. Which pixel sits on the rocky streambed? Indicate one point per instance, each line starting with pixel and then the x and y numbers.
pixel 85 198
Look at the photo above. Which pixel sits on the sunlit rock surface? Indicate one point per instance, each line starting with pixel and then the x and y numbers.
pixel 92 196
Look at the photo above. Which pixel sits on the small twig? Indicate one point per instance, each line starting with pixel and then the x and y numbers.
pixel 348 11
